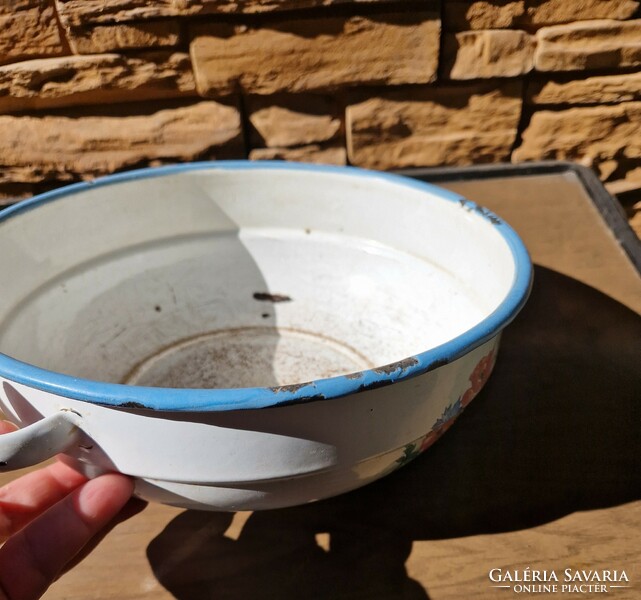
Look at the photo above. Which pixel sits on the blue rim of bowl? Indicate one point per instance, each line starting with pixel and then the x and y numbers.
pixel 170 399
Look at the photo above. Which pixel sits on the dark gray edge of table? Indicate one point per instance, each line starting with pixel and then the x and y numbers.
pixel 607 206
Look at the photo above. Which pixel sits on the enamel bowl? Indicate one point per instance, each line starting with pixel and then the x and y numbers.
pixel 247 335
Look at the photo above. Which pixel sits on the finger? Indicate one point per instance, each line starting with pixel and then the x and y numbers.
pixel 30 495
pixel 7 427
pixel 33 558
pixel 132 508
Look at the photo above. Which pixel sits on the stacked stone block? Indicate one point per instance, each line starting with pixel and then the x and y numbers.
pixel 89 87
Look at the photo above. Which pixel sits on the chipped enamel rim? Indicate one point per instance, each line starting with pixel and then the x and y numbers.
pixel 169 399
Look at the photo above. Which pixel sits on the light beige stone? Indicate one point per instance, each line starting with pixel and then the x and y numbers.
pixel 548 12
pixel 313 153
pixel 314 54
pixel 462 15
pixel 292 120
pixel 79 12
pixel 124 36
pixel 485 54
pixel 634 211
pixel 94 79
pixel 601 137
pixel 589 45
pixel 629 182
pixel 8 7
pixel 635 223
pixel 626 186
pixel 429 126
pixel 28 29
pixel 83 145
pixel 74 13
pixel 598 89
pixel 607 168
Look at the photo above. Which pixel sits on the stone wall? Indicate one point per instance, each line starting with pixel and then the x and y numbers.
pixel 89 87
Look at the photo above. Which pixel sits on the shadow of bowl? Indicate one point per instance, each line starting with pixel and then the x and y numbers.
pixel 555 430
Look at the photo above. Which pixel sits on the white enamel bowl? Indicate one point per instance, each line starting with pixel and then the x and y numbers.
pixel 247 335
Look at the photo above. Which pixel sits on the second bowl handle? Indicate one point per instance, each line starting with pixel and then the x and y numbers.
pixel 39 441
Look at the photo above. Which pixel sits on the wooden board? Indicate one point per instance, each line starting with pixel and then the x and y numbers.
pixel 541 471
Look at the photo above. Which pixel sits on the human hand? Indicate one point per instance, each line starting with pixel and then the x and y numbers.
pixel 50 519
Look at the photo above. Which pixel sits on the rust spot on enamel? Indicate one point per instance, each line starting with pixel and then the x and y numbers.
pixel 403 365
pixel 267 297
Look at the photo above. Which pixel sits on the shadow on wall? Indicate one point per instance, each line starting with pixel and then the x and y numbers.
pixel 555 431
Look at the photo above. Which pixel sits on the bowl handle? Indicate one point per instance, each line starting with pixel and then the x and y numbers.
pixel 39 441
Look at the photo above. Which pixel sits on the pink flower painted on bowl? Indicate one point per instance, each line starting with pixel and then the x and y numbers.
pixel 428 440
pixel 478 377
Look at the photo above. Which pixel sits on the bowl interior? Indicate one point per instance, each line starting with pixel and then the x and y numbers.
pixel 225 278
